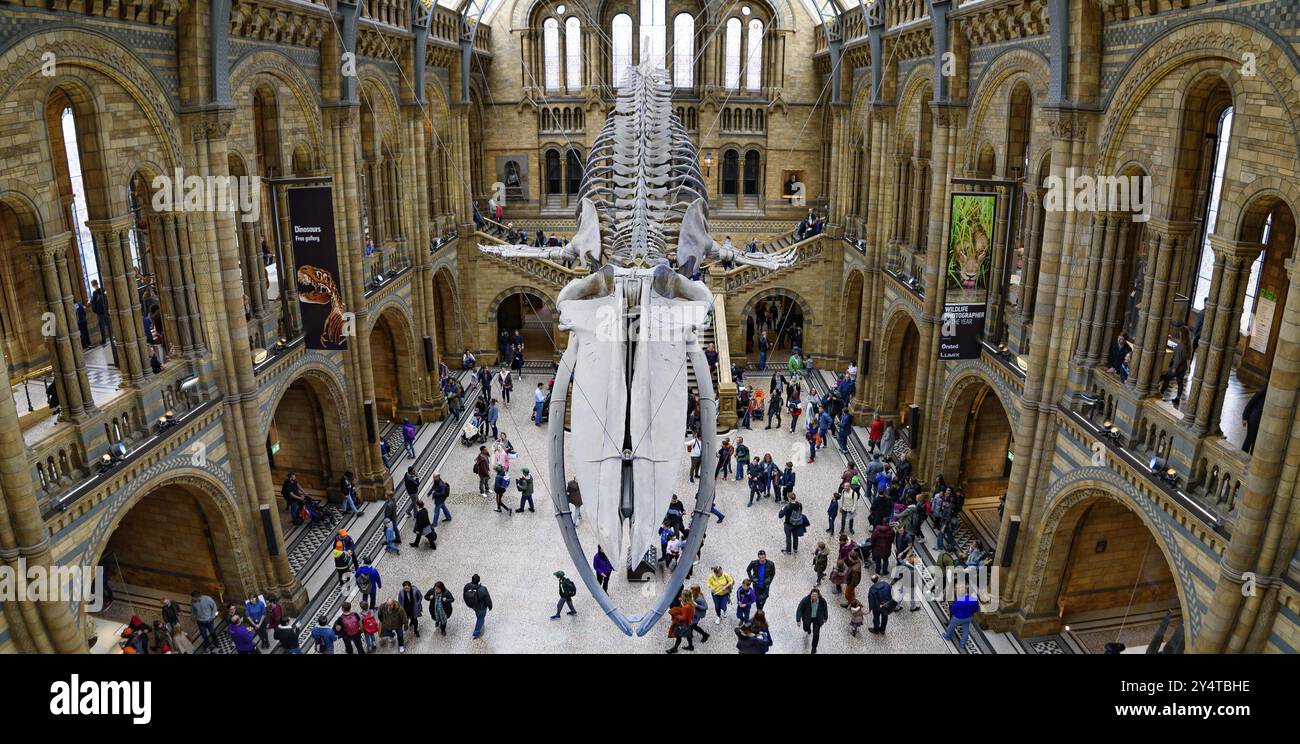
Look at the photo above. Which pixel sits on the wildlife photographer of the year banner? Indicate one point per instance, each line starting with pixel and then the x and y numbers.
pixel 969 271
pixel 311 216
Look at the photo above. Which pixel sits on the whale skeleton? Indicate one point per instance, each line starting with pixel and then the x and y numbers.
pixel 634 325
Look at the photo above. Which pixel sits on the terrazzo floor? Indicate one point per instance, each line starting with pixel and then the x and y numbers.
pixel 516 556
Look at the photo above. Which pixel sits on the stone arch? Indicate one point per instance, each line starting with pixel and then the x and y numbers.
pixel 503 295
pixel 961 389
pixel 395 365
pixel 25 204
pixel 447 313
pixel 373 80
pixel 758 297
pixel 1240 210
pixel 854 286
pixel 1063 502
pixel 279 65
pixel 80 47
pixel 327 386
pixel 917 80
pixel 890 356
pixel 214 491
pixel 1010 67
pixel 1206 37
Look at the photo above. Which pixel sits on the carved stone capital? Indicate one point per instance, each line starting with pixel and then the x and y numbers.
pixel 211 125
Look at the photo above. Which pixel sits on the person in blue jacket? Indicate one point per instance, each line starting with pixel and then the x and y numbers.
pixel 368 581
pixel 963 612
pixel 324 636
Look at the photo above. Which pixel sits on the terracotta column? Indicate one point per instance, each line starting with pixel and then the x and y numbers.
pixel 1092 284
pixel 1219 333
pixel 1108 291
pixel 112 251
pixel 1263 535
pixel 36 627
pixel 55 325
pixel 1165 245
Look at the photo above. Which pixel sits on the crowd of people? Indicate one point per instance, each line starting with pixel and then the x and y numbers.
pixel 877 571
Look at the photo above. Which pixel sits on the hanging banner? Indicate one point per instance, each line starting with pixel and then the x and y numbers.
pixel 325 319
pixel 969 271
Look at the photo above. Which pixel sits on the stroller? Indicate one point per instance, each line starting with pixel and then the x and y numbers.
pixel 312 511
pixel 474 431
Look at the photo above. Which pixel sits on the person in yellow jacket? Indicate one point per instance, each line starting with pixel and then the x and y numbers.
pixel 720 586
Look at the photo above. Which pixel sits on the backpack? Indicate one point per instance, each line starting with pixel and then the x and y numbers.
pixel 568 588
pixel 471 597
pixel 794 517
pixel 363 581
pixel 369 623
pixel 351 626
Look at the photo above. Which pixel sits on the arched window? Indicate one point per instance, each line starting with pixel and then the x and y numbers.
pixel 551 53
pixel 554 179
pixel 730 172
pixel 754 56
pixel 621 47
pixel 653 32
pixel 731 56
pixel 573 52
pixel 1212 209
pixel 684 50
pixel 573 174
pixel 751 173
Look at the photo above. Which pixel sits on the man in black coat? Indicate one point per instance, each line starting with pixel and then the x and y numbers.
pixel 813 613
pixel 440 491
pixel 478 599
pixel 390 513
pixel 99 303
pixel 423 529
pixel 1250 418
pixel 410 600
pixel 880 599
pixel 762 572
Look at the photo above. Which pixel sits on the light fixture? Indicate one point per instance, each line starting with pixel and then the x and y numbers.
pixel 260 355
pixel 708 164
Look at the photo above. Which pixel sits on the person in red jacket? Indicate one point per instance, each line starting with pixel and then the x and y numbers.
pixel 682 613
pixel 877 431
pixel 882 543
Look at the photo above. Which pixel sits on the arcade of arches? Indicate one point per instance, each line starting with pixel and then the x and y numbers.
pixel 1065 285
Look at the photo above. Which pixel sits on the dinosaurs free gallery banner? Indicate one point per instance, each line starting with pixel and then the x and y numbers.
pixel 311 214
pixel 970 251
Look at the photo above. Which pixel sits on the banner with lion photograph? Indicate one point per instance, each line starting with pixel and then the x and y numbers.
pixel 968 275
pixel 324 316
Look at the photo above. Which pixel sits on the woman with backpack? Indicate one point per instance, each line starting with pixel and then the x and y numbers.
pixel 369 627
pixel 348 627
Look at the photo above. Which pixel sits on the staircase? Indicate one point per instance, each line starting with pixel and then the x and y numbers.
pixel 743 277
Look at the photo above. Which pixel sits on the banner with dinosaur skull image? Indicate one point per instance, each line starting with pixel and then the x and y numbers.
pixel 311 217
pixel 969 271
